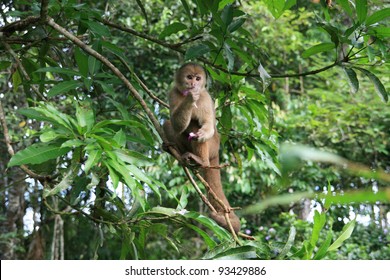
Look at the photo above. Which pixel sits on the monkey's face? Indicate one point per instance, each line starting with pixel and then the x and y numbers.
pixel 191 78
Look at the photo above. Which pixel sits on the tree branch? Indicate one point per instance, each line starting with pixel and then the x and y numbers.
pixel 22 70
pixel 177 47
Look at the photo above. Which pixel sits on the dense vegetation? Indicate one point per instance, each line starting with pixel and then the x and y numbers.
pixel 301 91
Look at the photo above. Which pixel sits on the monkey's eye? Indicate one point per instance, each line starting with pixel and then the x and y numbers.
pixel 198 78
pixel 189 77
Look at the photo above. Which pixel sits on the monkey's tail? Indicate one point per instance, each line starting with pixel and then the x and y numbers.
pixel 213 178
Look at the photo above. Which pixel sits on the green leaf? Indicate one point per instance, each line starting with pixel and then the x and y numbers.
pixel 4 64
pixel 236 24
pixel 352 79
pixel 380 31
pixel 265 77
pixel 227 15
pixel 276 7
pixel 94 64
pixel 380 89
pixel 65 183
pixel 116 122
pixel 172 29
pixel 120 138
pixel 208 240
pixel 323 47
pixel 48 136
pixel 289 243
pixel 324 247
pixel 82 61
pixel 63 87
pixel 133 157
pixel 98 29
pixel 37 153
pixel 226 118
pixel 31 113
pixel 361 10
pixel 16 80
pixel 94 157
pixel 345 234
pixel 346 6
pixel 73 143
pixel 229 55
pixel 378 16
pixel 196 51
pixel 319 222
pixel 85 115
pixel 220 232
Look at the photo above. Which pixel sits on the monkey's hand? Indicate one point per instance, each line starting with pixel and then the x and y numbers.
pixel 204 134
pixel 192 93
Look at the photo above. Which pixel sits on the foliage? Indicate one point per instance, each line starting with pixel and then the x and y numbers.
pixel 84 112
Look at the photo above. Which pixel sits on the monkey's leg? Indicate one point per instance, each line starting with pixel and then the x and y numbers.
pixel 199 154
pixel 172 140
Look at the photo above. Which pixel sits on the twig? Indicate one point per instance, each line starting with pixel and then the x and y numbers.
pixel 22 70
pixel 177 47
pixel 142 84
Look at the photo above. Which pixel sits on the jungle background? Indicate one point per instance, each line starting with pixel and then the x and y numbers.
pixel 300 89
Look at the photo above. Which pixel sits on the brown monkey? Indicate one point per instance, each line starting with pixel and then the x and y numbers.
pixel 192 129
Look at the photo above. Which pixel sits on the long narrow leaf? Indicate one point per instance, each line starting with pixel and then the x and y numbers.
pixel 323 47
pixel 37 153
pixel 352 79
pixel 379 87
pixel 63 87
pixel 345 234
pixel 378 16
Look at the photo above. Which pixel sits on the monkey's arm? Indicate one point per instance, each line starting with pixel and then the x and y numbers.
pixel 181 111
pixel 206 120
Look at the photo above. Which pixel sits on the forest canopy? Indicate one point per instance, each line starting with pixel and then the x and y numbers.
pixel 301 93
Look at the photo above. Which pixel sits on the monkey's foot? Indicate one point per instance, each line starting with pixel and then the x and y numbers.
pixel 191 160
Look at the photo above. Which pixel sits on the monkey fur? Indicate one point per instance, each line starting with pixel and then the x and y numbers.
pixel 192 129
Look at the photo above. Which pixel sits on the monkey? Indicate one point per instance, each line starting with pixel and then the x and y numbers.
pixel 192 130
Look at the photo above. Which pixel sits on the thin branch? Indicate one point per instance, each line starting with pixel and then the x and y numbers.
pixel 20 25
pixel 146 89
pixel 22 70
pixel 177 47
